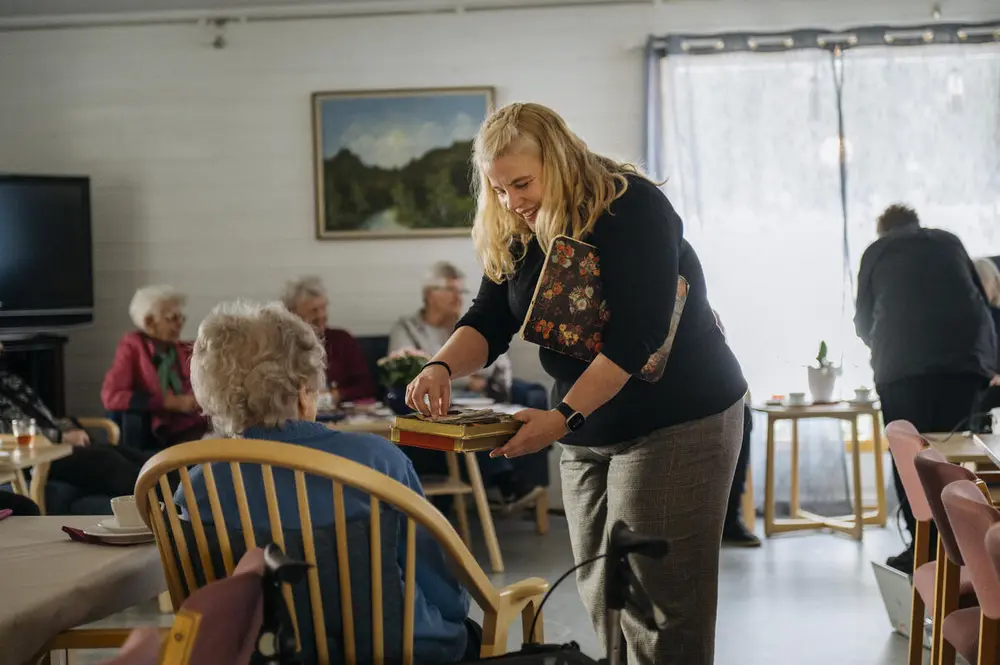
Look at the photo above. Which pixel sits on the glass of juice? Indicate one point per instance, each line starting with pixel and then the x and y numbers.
pixel 24 431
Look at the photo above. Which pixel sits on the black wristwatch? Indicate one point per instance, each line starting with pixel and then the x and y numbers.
pixel 574 419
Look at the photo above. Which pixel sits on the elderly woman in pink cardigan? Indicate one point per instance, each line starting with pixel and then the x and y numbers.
pixel 151 371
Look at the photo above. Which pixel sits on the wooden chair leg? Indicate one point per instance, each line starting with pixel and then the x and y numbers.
pixel 936 615
pixel 494 635
pixel 542 513
pixel 989 641
pixel 793 502
pixel 485 516
pixel 918 608
pixel 882 514
pixel 528 616
pixel 859 502
pixel 769 480
pixel 950 591
pixel 461 508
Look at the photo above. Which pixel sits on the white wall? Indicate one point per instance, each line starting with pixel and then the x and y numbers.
pixel 201 158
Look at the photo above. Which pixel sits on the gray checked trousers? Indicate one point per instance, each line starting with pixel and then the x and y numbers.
pixel 673 483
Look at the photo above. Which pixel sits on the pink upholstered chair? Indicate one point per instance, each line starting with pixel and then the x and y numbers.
pixel 974 631
pixel 217 625
pixel 905 444
pixel 953 583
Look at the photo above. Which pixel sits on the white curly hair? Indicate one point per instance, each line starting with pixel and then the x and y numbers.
pixel 307 286
pixel 250 361
pixel 149 300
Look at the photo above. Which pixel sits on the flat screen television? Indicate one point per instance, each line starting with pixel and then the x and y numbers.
pixel 46 264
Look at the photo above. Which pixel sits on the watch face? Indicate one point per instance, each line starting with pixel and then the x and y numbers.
pixel 575 422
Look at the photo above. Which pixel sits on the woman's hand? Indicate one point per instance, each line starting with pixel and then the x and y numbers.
pixel 995 381
pixel 76 437
pixel 433 383
pixel 180 403
pixel 540 429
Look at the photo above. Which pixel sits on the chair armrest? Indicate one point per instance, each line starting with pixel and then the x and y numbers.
pixel 108 425
pixel 524 598
pixel 524 590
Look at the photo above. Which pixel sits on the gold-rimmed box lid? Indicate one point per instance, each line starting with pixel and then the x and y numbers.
pixel 460 424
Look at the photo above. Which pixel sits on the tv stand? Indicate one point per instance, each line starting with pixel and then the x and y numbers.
pixel 38 359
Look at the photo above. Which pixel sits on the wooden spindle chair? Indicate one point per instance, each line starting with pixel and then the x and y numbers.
pixel 214 542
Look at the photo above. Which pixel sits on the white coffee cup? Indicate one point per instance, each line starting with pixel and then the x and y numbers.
pixel 796 398
pixel 862 394
pixel 126 512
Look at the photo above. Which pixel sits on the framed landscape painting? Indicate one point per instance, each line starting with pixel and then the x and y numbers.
pixel 395 163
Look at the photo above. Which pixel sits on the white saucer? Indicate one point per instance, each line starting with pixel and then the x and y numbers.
pixel 111 525
pixel 120 538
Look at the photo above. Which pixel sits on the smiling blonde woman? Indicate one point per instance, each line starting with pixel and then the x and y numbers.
pixel 658 456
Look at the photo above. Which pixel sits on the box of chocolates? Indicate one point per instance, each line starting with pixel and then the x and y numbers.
pixel 459 431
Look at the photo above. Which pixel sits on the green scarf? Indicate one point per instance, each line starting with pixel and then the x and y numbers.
pixel 166 370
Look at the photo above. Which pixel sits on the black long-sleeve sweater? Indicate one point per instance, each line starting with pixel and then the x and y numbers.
pixel 642 251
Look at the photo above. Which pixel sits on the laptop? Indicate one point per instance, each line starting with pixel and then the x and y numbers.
pixel 897 594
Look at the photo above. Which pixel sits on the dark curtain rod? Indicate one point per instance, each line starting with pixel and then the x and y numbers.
pixel 769 42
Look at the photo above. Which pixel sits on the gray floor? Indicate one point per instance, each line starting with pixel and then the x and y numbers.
pixel 807 598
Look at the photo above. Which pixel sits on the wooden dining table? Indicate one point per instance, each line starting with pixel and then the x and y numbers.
pixel 989 445
pixel 50 584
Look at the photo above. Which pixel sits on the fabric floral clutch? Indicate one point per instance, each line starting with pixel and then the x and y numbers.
pixel 568 313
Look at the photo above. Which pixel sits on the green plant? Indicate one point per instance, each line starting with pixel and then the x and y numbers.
pixel 822 361
pixel 400 367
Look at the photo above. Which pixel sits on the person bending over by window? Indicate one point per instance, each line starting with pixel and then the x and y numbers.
pixel 922 311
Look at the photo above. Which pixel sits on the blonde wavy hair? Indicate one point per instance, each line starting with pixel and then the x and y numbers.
pixel 579 185
pixel 250 361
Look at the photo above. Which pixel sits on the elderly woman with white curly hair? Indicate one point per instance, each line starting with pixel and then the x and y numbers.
pixel 257 370
pixel 151 370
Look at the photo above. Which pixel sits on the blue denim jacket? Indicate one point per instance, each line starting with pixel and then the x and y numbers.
pixel 442 603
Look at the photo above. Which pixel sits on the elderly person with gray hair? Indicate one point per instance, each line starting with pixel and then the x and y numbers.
pixel 347 374
pixel 257 370
pixel 430 327
pixel 427 330
pixel 151 369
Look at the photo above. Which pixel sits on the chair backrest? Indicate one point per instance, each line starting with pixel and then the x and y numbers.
pixel 935 474
pixel 904 444
pixel 240 457
pixel 993 547
pixel 971 515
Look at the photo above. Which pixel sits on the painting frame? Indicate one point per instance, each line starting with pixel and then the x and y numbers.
pixel 317 100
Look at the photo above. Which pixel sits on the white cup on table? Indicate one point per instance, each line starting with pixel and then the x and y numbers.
pixel 126 511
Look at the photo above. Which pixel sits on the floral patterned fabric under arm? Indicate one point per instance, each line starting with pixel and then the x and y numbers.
pixel 569 312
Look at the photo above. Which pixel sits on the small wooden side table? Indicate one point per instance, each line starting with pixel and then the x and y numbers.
pixel 799 519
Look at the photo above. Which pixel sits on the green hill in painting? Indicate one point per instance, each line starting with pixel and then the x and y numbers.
pixel 432 192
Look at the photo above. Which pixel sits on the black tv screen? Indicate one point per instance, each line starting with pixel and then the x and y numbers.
pixel 46 266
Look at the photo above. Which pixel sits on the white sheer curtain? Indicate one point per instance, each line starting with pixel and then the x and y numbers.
pixel 923 128
pixel 750 150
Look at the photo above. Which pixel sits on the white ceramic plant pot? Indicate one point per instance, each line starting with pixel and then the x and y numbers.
pixel 822 383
